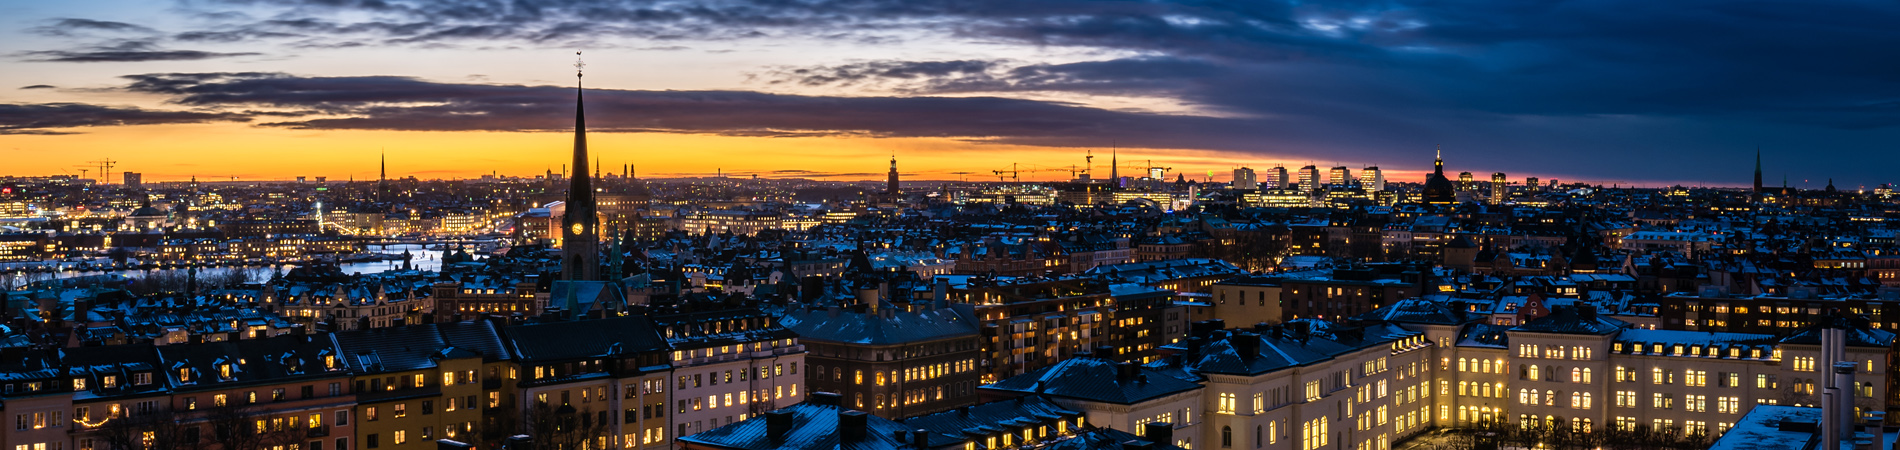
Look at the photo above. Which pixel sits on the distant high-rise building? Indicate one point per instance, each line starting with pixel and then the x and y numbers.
pixel 1372 179
pixel 1531 183
pixel 1244 179
pixel 1309 178
pixel 1499 186
pixel 1276 178
pixel 1339 176
pixel 134 180
pixel 323 179
pixel 1464 181
pixel 580 241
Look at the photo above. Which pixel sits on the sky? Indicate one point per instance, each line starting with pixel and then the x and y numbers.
pixel 1608 92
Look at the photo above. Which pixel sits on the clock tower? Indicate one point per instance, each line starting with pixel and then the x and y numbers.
pixel 580 236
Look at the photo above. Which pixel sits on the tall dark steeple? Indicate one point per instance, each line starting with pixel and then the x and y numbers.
pixel 382 178
pixel 1438 189
pixel 891 186
pixel 580 241
pixel 1757 170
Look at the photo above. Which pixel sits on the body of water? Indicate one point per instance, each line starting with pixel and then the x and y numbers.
pixel 423 259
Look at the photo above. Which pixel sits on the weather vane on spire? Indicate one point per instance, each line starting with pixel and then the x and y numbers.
pixel 578 64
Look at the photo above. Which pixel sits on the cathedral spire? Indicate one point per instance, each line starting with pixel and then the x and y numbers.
pixel 580 237
pixel 1757 169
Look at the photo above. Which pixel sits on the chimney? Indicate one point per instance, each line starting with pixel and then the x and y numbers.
pixel 868 296
pixel 920 438
pixel 778 424
pixel 1137 444
pixel 446 444
pixel 825 398
pixel 1161 433
pixel 1586 312
pixel 940 292
pixel 1126 371
pixel 851 426
pixel 1246 344
pixel 1876 430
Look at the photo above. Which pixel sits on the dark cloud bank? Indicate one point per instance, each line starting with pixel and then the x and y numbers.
pixel 1606 89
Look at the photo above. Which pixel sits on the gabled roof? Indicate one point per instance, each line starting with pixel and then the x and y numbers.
pixel 392 349
pixel 1096 379
pixel 814 426
pixel 1573 320
pixel 874 329
pixel 586 339
pixel 1418 311
pixel 976 421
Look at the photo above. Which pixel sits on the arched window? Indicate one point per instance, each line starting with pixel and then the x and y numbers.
pixel 1576 374
pixel 1461 365
pixel 1586 376
pixel 1226 437
pixel 1532 373
pixel 1257 441
pixel 1520 371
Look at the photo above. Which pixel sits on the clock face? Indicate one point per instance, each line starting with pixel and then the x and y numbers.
pixel 578 228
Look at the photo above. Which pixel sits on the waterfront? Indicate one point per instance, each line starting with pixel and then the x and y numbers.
pixel 423 259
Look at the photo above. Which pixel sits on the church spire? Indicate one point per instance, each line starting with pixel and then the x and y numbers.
pixel 891 188
pixel 1438 160
pixel 1757 169
pixel 580 237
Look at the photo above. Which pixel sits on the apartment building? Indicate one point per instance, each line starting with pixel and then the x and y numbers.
pixel 1568 366
pixel 892 363
pixel 730 363
pixel 581 381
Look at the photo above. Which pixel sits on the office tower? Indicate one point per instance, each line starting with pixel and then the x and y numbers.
pixel 1276 178
pixel 1309 178
pixel 1464 181
pixel 1531 184
pixel 1244 179
pixel 1372 179
pixel 1339 176
pixel 134 180
pixel 1498 186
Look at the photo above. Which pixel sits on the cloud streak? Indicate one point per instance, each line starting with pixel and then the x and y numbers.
pixel 59 118
pixel 125 52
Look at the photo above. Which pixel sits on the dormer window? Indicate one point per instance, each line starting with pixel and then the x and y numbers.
pixel 224 371
pixel 79 384
pixel 329 362
pixel 142 378
pixel 184 375
pixel 109 381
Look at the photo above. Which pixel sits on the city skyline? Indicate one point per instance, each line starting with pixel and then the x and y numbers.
pixel 276 90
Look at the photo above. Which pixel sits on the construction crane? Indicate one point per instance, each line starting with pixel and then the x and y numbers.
pixel 1013 173
pixel 961 174
pixel 105 169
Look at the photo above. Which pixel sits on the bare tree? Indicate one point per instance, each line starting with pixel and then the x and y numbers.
pixel 143 431
pixel 560 427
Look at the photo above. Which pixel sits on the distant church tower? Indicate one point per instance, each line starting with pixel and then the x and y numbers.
pixel 892 188
pixel 580 240
pixel 1758 170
